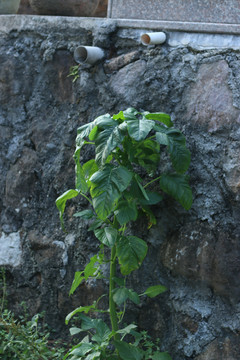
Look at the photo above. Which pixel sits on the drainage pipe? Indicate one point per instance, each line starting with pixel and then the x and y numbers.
pixel 88 54
pixel 153 38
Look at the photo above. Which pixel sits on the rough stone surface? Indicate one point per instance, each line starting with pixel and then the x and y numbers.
pixel 196 254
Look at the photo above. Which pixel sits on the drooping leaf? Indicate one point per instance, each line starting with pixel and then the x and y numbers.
pixel 180 156
pixel 162 117
pixel 94 132
pixel 126 211
pixel 81 309
pixel 80 182
pixel 127 329
pixel 91 268
pixel 107 186
pixel 78 278
pixel 106 141
pixel 61 202
pixel 155 290
pixel 128 351
pixel 83 133
pixel 85 214
pixel 107 235
pixel 177 186
pixel 133 296
pixel 131 252
pixel 150 215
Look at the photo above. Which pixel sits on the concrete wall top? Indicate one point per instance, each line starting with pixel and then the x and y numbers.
pixel 192 15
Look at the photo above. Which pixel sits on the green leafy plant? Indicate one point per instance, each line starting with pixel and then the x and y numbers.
pixel 21 338
pixel 121 183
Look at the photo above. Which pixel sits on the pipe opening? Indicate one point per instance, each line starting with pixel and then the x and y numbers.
pixel 145 39
pixel 80 54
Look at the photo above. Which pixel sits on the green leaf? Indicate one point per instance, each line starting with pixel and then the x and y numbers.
pixel 120 116
pixel 77 281
pixel 81 350
pixel 131 252
pixel 95 225
pixel 153 291
pixel 120 295
pixel 102 331
pixel 138 129
pixel 107 236
pixel 83 132
pixel 89 168
pixel 128 351
pixel 143 191
pixel 106 141
pixel 150 215
pixel 107 186
pixel 133 296
pixel 80 182
pixel 91 269
pixel 104 121
pixel 177 186
pixel 162 117
pixel 146 154
pixel 93 356
pixel 74 331
pixel 153 198
pixel 61 202
pixel 162 138
pixel 127 329
pixel 126 211
pixel 180 156
pixel 130 113
pixel 161 356
pixel 93 133
pixel 85 214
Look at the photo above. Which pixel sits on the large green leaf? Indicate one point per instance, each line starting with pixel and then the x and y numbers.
pixel 85 214
pixel 146 154
pixel 89 168
pixel 106 141
pixel 131 252
pixel 126 211
pixel 153 198
pixel 138 129
pixel 107 235
pixel 61 202
pixel 104 121
pixel 177 186
pixel 128 351
pixel 162 117
pixel 155 290
pixel 107 186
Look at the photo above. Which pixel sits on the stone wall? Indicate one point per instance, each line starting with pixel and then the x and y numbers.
pixel 196 254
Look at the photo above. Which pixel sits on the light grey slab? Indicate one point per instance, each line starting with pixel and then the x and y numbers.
pixel 220 16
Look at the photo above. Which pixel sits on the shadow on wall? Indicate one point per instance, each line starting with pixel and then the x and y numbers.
pixel 91 8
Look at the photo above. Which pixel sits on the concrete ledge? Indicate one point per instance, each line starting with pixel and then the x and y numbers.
pixel 27 22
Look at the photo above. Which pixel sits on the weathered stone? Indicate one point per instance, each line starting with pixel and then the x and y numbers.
pixel 209 100
pixel 199 253
pixel 222 349
pixel 10 249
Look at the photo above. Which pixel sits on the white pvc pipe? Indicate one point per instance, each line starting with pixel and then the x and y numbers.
pixel 153 38
pixel 88 54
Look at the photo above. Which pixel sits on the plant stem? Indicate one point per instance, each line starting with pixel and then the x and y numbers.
pixel 150 182
pixel 112 305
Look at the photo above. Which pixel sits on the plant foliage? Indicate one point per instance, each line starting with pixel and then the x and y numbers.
pixel 121 183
